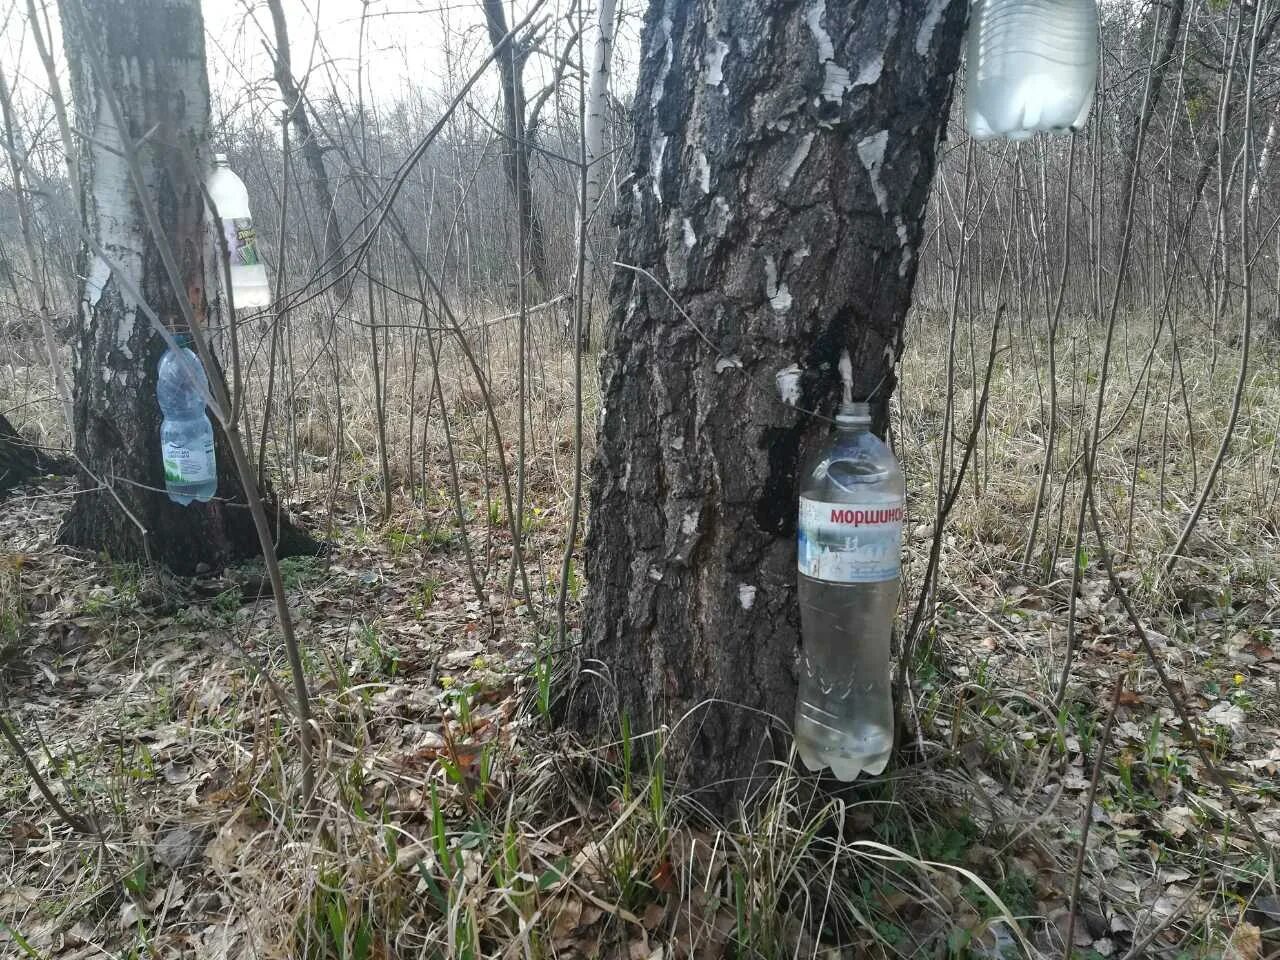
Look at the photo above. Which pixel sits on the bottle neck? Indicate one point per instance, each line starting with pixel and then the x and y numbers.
pixel 854 416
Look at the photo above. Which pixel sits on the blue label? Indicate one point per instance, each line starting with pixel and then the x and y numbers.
pixel 850 543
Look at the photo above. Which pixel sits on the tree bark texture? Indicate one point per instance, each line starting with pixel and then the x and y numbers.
pixel 781 166
pixel 516 155
pixel 152 52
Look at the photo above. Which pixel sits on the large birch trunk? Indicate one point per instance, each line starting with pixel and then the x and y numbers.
pixel 782 160
pixel 152 54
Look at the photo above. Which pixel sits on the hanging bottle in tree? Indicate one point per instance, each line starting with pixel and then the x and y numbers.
pixel 1031 65
pixel 248 275
pixel 849 559
pixel 186 435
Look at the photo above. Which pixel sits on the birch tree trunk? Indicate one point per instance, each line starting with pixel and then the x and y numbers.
pixel 152 54
pixel 593 128
pixel 782 160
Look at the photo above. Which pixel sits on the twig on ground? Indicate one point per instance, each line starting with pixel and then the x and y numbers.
pixel 1087 817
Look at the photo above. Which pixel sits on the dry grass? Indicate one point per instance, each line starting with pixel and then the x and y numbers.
pixel 450 821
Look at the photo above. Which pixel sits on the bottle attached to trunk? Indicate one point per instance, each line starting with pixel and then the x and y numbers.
pixel 1030 65
pixel 249 286
pixel 850 558
pixel 186 436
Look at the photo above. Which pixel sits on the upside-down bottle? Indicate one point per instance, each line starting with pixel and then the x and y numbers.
pixel 1030 65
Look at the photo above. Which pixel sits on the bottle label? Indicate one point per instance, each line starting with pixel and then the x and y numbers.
pixel 847 543
pixel 183 464
pixel 242 241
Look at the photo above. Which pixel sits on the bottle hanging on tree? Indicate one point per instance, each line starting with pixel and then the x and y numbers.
pixel 186 435
pixel 1030 65
pixel 849 557
pixel 249 285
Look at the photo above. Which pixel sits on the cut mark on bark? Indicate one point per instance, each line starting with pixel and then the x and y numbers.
pixel 835 78
pixel 788 380
pixel 746 595
pixel 728 363
pixel 778 294
pixel 690 238
pixel 924 36
pixel 689 523
pixel 704 173
pixel 797 160
pixel 846 375
pixel 871 153
pixel 714 59
pixel 655 574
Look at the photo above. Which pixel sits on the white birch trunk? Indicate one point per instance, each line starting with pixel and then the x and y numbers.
pixel 598 106
pixel 1264 158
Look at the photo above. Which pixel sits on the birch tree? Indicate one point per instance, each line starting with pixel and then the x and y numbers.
pixel 781 165
pixel 150 58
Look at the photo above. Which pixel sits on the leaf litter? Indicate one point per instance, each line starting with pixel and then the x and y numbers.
pixel 149 702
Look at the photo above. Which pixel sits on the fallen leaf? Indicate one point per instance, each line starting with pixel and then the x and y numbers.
pixel 1245 943
pixel 224 848
pixel 1224 714
pixel 1176 821
pixel 177 846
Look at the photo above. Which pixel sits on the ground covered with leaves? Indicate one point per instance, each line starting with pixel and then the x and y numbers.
pixel 451 819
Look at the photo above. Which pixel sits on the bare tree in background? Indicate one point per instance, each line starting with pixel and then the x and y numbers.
pixel 780 171
pixel 309 146
pixel 152 58
pixel 594 125
pixel 516 154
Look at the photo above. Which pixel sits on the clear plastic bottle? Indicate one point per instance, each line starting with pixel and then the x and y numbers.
pixel 849 558
pixel 1031 65
pixel 248 275
pixel 186 436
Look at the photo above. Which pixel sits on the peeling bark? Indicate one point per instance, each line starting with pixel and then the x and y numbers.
pixel 153 54
pixel 782 204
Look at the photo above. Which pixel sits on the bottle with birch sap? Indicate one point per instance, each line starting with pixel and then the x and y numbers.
pixel 849 557
pixel 249 286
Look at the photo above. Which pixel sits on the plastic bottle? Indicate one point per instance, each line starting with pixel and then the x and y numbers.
pixel 248 275
pixel 849 559
pixel 1031 65
pixel 186 436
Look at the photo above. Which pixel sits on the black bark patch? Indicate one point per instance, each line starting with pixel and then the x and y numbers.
pixel 776 509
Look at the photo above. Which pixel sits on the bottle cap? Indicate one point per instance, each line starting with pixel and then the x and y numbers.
pixel 220 159
pixel 854 414
pixel 182 338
